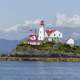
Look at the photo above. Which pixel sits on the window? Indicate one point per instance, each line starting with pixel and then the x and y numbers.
pixel 59 35
pixel 54 34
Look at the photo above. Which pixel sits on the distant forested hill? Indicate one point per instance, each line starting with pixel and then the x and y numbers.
pixel 7 45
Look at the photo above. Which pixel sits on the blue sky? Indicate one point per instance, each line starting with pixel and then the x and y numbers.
pixel 15 13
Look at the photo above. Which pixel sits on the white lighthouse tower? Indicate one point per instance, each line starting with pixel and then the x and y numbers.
pixel 41 33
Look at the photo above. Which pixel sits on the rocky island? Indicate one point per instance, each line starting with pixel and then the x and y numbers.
pixel 45 45
pixel 48 51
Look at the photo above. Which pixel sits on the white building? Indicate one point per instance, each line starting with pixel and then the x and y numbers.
pixel 44 34
pixel 53 35
pixel 70 42
pixel 41 32
pixel 32 40
pixel 50 34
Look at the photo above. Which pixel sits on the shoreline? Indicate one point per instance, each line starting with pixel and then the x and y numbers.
pixel 48 59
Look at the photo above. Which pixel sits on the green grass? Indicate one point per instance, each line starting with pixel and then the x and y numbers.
pixel 51 47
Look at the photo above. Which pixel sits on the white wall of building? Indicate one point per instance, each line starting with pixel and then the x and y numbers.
pixel 41 34
pixel 56 34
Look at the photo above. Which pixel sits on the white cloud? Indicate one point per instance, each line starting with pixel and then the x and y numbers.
pixel 13 28
pixel 30 22
pixel 19 30
pixel 67 21
pixel 20 27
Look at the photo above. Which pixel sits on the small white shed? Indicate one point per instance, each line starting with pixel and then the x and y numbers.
pixel 70 42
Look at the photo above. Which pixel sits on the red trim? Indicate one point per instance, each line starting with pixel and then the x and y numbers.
pixel 49 31
pixel 32 39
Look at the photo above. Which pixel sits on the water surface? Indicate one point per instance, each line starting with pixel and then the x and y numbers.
pixel 31 70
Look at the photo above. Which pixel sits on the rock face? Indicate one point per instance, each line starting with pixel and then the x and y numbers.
pixel 47 50
pixel 43 53
pixel 33 52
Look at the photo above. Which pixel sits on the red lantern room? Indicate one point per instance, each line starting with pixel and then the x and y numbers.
pixel 39 22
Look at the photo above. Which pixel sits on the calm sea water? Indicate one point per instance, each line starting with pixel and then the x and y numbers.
pixel 39 70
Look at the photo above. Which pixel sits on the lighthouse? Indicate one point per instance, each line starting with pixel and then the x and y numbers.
pixel 41 32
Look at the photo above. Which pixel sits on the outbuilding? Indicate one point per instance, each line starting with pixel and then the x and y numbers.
pixel 70 42
pixel 53 34
pixel 32 40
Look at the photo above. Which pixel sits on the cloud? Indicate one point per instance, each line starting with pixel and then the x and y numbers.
pixel 75 35
pixel 30 22
pixel 19 30
pixel 68 21
pixel 71 27
pixel 11 29
pixel 19 27
pixel 25 27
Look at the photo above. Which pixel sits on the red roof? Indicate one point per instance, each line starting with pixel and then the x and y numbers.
pixel 49 31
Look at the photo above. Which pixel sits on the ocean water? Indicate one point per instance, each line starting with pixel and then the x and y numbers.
pixel 32 70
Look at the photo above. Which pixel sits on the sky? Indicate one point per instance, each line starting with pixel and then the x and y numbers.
pixel 18 16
